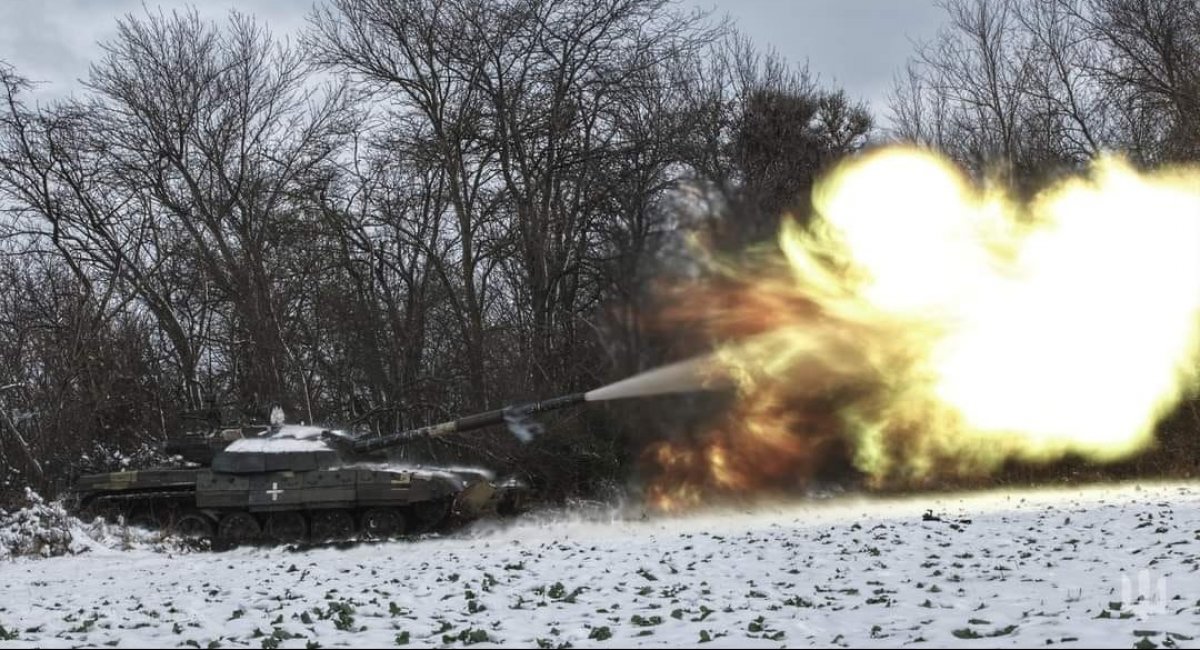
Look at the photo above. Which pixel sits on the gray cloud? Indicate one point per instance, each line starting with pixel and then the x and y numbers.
pixel 41 41
pixel 857 45
pixel 53 42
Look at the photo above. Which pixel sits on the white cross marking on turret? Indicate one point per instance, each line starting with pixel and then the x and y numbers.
pixel 274 492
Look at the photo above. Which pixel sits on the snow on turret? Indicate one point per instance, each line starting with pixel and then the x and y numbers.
pixel 284 438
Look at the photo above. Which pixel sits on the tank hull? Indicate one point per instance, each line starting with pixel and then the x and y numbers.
pixel 247 507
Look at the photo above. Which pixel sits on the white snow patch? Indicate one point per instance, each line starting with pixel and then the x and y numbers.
pixel 1107 566
pixel 275 445
pixel 45 529
pixel 299 432
pixel 39 529
pixel 287 438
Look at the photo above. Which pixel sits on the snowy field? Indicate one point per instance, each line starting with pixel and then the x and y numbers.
pixel 1111 567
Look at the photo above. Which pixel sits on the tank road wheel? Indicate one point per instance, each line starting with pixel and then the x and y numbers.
pixel 431 514
pixel 382 523
pixel 239 528
pixel 193 525
pixel 332 526
pixel 287 527
pixel 144 518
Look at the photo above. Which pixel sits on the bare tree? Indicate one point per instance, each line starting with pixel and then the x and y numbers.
pixel 385 216
pixel 764 131
pixel 978 74
pixel 413 50
pixel 68 194
pixel 1048 85
pixel 214 132
pixel 1149 63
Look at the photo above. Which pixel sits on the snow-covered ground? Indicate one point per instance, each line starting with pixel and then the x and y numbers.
pixel 1106 566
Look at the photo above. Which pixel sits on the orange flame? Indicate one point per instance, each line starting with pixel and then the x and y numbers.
pixel 924 327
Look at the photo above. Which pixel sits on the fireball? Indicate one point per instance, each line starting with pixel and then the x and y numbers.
pixel 924 326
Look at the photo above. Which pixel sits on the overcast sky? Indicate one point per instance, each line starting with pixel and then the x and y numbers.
pixel 856 44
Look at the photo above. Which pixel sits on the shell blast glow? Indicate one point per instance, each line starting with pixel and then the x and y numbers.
pixel 923 327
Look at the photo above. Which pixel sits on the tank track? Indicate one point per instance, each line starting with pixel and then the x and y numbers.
pixel 173 510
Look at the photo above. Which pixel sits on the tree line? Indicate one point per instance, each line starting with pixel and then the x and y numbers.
pixel 424 208
pixel 418 210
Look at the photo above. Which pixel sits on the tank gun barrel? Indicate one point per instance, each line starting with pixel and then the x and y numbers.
pixel 468 423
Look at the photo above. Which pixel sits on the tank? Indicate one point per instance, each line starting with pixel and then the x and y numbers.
pixel 293 483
